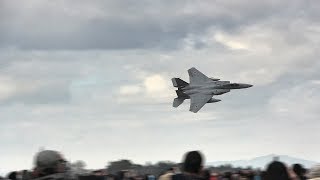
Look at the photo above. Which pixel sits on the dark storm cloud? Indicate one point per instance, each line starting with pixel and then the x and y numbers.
pixel 125 24
pixel 105 34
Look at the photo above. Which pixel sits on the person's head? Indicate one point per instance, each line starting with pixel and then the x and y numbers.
pixel 49 162
pixel 299 170
pixel 12 175
pixel 277 171
pixel 193 162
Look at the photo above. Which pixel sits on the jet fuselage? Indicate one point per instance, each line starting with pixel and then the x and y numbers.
pixel 213 88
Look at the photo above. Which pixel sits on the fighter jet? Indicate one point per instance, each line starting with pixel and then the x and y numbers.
pixel 201 89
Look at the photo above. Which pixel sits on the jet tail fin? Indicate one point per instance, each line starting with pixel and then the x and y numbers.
pixel 177 101
pixel 177 82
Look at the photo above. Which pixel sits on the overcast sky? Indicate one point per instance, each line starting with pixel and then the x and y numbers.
pixel 92 79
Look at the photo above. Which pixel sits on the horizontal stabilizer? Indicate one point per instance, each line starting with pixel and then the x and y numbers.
pixel 177 102
pixel 177 82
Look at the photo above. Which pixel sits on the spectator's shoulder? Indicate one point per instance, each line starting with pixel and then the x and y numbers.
pixel 186 177
pixel 167 176
pixel 57 176
pixel 178 177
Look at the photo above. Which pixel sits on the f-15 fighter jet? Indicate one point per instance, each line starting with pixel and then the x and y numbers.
pixel 201 89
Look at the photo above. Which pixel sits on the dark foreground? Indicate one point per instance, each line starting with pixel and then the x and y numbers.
pixel 51 165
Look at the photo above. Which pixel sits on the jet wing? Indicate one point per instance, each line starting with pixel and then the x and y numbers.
pixel 198 100
pixel 197 77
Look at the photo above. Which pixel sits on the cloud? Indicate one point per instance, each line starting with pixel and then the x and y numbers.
pixel 130 90
pixel 27 84
pixel 316 81
pixel 229 42
pixel 106 25
pixel 152 88
pixel 155 84
pixel 297 103
pixel 7 88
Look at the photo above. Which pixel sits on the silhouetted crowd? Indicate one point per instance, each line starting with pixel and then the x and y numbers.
pixel 51 165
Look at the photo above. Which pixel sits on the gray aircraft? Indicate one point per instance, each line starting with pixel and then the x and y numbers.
pixel 201 89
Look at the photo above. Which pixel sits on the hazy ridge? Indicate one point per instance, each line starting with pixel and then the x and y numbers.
pixel 262 161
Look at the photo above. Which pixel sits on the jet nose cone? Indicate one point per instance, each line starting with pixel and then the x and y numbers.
pixel 246 85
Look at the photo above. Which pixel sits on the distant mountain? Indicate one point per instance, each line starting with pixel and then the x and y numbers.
pixel 261 162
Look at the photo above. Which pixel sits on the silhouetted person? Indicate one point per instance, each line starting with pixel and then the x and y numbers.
pixel 192 166
pixel 206 174
pixel 26 175
pixel 276 171
pixel 300 171
pixel 227 176
pixel 12 175
pixel 50 165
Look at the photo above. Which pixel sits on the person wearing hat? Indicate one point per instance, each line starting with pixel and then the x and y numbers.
pixel 50 164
